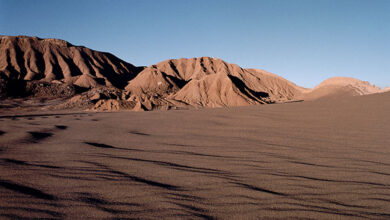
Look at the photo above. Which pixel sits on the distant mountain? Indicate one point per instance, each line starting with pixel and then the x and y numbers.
pixel 32 58
pixel 338 87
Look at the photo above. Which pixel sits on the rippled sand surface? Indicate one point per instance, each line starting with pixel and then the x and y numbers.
pixel 327 159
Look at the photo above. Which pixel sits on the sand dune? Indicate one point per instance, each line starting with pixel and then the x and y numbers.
pixel 326 159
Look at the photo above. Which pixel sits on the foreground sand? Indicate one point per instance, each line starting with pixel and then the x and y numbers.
pixel 328 159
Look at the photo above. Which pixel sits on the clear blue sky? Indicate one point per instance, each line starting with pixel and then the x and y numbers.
pixel 305 41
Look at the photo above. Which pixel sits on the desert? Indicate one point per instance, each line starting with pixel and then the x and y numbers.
pixel 190 138
pixel 325 159
pixel 213 109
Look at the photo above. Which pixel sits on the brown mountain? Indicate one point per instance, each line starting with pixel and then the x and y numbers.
pixel 32 58
pixel 208 82
pixel 52 68
pixel 338 87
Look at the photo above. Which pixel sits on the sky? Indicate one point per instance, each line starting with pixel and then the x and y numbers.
pixel 304 41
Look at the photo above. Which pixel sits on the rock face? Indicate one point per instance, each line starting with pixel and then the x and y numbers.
pixel 338 87
pixel 32 58
pixel 208 82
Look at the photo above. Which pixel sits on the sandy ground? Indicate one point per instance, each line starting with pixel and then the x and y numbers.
pixel 327 159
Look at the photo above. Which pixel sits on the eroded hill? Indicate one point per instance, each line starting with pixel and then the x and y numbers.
pixel 32 58
pixel 82 78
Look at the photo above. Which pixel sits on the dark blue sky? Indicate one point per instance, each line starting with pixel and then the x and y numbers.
pixel 305 41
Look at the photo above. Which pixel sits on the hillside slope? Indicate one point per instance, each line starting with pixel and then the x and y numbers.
pixel 88 79
pixel 337 87
pixel 209 82
pixel 32 58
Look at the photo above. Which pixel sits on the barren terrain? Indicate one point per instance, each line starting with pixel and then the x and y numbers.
pixel 325 159
pixel 46 69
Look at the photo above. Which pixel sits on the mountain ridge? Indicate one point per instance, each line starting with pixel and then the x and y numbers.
pixel 110 83
pixel 33 58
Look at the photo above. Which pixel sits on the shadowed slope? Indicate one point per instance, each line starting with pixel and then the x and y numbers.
pixel 277 87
